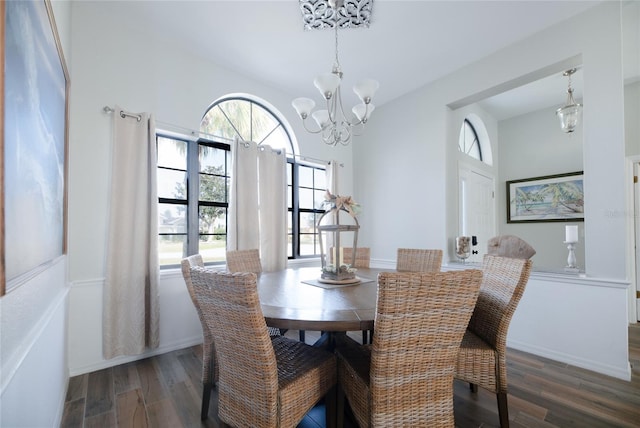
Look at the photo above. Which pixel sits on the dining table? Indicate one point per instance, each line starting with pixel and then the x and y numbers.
pixel 295 299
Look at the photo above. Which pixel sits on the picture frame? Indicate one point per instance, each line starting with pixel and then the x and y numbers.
pixel 34 140
pixel 547 198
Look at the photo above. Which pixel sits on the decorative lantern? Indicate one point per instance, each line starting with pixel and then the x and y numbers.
pixel 334 233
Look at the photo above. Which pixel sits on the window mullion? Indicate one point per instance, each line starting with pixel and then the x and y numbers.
pixel 295 217
pixel 193 195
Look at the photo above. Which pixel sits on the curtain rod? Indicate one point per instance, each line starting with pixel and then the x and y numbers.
pixel 194 133
pixel 308 158
pixel 123 113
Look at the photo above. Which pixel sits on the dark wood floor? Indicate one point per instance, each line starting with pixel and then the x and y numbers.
pixel 165 391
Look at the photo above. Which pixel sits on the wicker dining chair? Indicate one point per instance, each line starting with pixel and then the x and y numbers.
pixel 247 261
pixel 482 355
pixel 405 378
pixel 263 381
pixel 209 366
pixel 418 260
pixel 363 260
pixel 244 261
pixel 363 256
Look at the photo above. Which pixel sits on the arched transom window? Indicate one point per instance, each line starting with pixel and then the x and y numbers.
pixel 248 120
pixel 474 139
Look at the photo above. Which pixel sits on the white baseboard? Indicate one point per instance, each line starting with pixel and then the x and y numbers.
pixel 103 364
pixel 606 369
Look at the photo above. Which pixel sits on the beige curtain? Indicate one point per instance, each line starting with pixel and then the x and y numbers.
pixel 331 174
pixel 130 312
pixel 258 203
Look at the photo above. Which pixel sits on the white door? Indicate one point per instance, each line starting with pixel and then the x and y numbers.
pixel 477 209
pixel 636 193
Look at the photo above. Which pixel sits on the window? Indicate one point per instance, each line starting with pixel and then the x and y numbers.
pixel 193 183
pixel 247 120
pixel 306 190
pixel 469 142
pixel 474 139
pixel 193 187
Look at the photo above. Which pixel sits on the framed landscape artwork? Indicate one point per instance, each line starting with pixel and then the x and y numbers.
pixel 549 198
pixel 34 141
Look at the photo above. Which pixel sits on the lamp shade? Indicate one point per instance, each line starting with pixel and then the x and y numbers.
pixel 303 106
pixel 569 116
pixel 321 117
pixel 366 89
pixel 327 84
pixel 363 111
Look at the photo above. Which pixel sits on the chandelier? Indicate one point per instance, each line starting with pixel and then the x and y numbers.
pixel 570 113
pixel 334 125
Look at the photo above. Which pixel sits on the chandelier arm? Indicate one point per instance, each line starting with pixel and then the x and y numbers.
pixel 331 106
pixel 328 136
pixel 347 138
pixel 338 102
pixel 311 131
pixel 354 130
pixel 356 121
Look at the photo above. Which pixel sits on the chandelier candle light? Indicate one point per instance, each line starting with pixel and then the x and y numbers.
pixel 333 124
pixel 570 113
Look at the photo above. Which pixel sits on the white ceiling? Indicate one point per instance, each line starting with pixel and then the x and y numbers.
pixel 408 44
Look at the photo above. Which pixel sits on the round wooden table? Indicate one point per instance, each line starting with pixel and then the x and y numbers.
pixel 288 302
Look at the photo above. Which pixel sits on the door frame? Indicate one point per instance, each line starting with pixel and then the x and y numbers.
pixel 633 314
pixel 487 173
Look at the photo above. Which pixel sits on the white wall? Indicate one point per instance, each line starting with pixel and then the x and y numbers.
pixel 399 172
pixel 564 319
pixel 33 326
pixel 632 118
pixel 33 349
pixel 119 65
pixel 533 145
pixel 407 170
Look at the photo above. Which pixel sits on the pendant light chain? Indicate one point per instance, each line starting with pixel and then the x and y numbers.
pixel 335 27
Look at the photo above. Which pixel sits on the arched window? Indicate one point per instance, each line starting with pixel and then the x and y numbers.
pixel 469 142
pixel 474 139
pixel 248 119
pixel 251 119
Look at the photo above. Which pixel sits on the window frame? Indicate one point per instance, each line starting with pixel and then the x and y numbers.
pixel 191 204
pixel 193 178
pixel 296 211
pixel 466 123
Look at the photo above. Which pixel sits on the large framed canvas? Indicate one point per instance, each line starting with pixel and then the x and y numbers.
pixel 34 141
pixel 549 198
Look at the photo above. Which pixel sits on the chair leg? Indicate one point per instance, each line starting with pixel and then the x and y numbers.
pixel 301 335
pixel 330 405
pixel 473 387
pixel 364 337
pixel 206 398
pixel 340 406
pixel 503 410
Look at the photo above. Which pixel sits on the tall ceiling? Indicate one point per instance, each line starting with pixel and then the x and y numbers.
pixel 407 45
